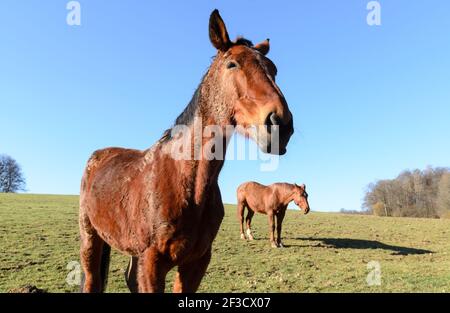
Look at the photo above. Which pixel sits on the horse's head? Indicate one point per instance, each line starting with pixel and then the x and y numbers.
pixel 246 80
pixel 301 198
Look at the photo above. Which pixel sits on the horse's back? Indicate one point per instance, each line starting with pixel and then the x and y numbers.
pixel 109 162
pixel 249 184
pixel 250 187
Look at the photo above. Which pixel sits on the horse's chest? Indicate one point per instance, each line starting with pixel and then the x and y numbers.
pixel 195 237
pixel 280 208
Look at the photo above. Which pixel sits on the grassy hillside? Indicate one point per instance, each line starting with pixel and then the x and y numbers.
pixel 324 252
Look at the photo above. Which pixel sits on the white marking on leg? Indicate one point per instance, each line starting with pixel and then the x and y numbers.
pixel 249 234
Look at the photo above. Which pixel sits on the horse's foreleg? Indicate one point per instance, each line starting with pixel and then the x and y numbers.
pixel 280 217
pixel 94 255
pixel 190 275
pixel 271 217
pixel 240 212
pixel 248 221
pixel 152 271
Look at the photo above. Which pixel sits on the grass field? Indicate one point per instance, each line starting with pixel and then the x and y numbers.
pixel 324 252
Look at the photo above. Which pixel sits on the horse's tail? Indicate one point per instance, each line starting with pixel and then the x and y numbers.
pixel 240 193
pixel 131 275
pixel 104 265
pixel 240 203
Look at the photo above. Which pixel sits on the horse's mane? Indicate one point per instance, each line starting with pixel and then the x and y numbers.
pixel 188 114
pixel 241 41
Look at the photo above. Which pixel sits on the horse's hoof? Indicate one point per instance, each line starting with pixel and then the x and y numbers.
pixel 243 237
pixel 274 245
pixel 280 245
pixel 250 237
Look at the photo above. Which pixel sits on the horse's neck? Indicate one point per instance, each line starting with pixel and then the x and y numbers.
pixel 203 173
pixel 206 174
pixel 199 173
pixel 287 195
pixel 195 171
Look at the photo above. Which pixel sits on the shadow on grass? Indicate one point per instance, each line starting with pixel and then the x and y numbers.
pixel 346 243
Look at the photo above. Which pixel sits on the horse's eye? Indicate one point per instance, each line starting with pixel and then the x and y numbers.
pixel 231 65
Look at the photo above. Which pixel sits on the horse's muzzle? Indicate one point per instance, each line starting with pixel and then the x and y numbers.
pixel 278 133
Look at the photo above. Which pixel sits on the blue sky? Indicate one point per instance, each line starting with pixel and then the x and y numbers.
pixel 367 102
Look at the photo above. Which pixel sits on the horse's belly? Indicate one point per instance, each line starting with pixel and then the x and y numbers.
pixel 125 237
pixel 256 208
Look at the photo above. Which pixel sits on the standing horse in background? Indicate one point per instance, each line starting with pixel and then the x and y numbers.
pixel 165 211
pixel 272 200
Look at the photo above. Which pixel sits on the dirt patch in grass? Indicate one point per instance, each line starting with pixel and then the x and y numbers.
pixel 27 289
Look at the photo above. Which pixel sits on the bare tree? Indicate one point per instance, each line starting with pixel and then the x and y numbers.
pixel 11 176
pixel 415 194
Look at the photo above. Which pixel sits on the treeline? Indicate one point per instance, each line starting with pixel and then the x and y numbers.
pixel 412 194
pixel 354 212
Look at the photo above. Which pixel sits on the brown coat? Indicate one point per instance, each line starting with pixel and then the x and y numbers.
pixel 164 211
pixel 271 200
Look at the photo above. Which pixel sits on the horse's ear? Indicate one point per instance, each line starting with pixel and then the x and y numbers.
pixel 263 47
pixel 218 32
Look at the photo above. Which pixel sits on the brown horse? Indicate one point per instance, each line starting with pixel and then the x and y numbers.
pixel 272 200
pixel 165 211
